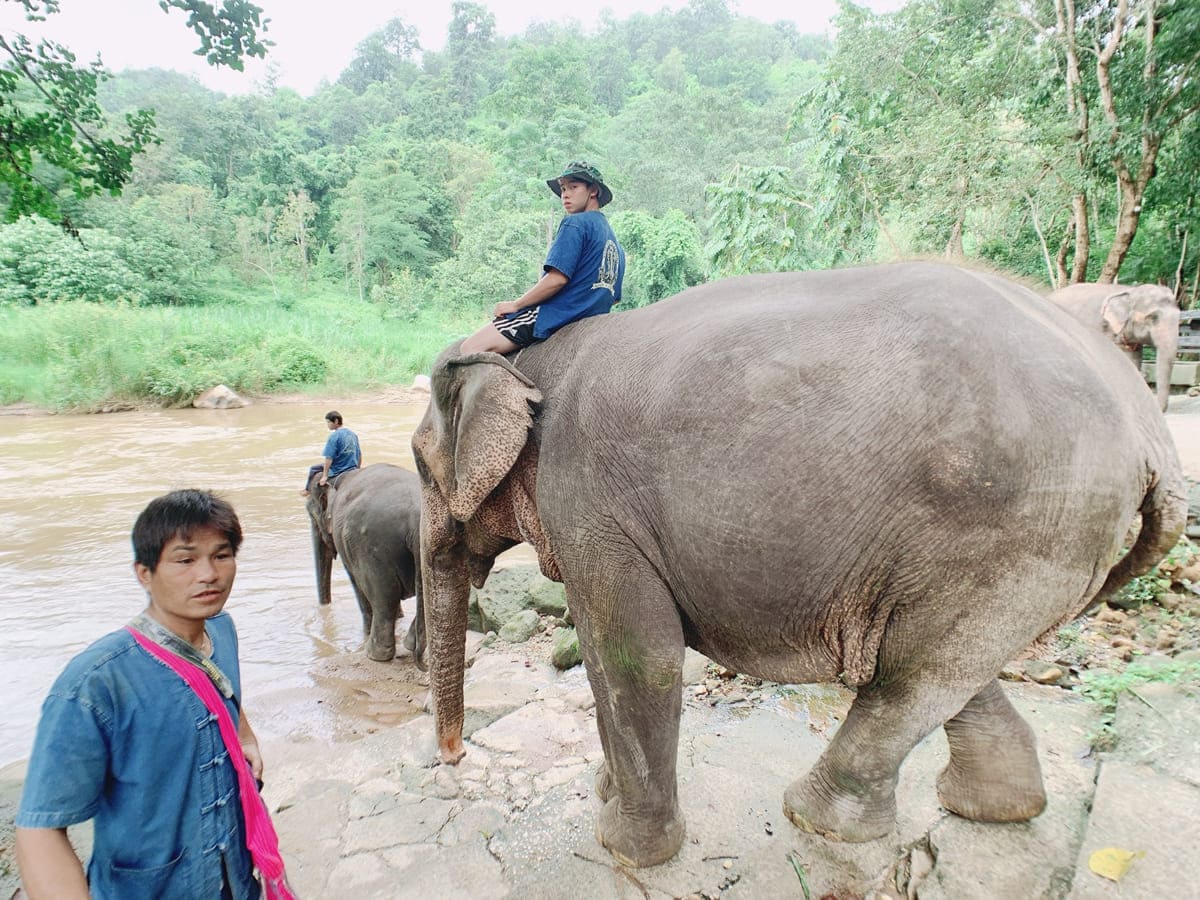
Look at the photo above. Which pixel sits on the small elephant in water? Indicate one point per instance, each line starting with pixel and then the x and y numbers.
pixel 372 520
pixel 1132 317
pixel 894 476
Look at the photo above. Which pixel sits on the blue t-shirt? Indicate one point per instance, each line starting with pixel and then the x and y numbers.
pixel 124 740
pixel 586 251
pixel 342 448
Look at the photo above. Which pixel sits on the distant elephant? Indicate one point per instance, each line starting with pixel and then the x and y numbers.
pixel 372 520
pixel 897 477
pixel 1133 317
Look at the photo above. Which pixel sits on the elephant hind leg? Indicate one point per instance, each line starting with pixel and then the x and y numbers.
pixel 850 793
pixel 993 774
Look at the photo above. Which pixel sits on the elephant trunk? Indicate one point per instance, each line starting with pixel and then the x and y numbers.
pixel 446 590
pixel 323 561
pixel 1165 350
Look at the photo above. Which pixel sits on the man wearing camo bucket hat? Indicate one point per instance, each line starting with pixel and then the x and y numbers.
pixel 581 276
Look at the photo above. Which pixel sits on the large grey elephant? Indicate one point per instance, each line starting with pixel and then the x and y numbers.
pixel 897 477
pixel 372 520
pixel 1133 318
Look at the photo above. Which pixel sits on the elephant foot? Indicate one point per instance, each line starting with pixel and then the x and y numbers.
pixel 638 843
pixel 604 784
pixel 993 774
pixel 992 799
pixel 380 653
pixel 816 805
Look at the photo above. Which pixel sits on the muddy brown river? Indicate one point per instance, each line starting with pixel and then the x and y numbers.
pixel 71 488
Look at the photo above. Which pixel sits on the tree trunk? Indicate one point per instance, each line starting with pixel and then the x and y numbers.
pixel 1083 239
pixel 1133 191
pixel 1061 278
pixel 1077 108
pixel 954 245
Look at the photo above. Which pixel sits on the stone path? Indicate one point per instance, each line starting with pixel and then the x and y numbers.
pixel 375 819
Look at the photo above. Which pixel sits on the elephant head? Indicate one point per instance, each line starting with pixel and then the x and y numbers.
pixel 478 469
pixel 319 520
pixel 1145 315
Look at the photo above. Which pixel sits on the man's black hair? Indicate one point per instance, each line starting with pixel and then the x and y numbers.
pixel 333 416
pixel 180 514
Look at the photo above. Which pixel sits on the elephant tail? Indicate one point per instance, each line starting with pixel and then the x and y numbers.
pixel 1164 516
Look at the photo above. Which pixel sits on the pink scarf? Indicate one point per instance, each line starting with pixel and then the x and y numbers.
pixel 261 840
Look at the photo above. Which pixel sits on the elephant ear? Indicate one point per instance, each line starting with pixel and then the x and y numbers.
pixel 1115 311
pixel 484 408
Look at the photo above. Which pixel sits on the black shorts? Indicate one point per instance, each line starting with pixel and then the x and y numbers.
pixel 519 328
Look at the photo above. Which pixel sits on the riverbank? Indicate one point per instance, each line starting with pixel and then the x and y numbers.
pixel 373 817
pixel 383 394
pixel 363 813
pixel 86 357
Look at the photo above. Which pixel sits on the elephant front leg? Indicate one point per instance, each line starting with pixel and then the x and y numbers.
pixel 634 661
pixel 993 774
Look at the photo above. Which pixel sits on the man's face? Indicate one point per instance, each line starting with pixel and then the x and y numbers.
pixel 332 424
pixel 575 194
pixel 192 580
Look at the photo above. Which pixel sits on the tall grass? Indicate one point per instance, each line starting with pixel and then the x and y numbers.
pixel 86 356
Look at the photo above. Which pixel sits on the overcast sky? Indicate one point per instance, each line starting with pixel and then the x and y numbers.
pixel 315 39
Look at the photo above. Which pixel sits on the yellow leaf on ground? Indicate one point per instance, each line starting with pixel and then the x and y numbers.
pixel 1112 862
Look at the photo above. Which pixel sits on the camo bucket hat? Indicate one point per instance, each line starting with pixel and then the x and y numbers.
pixel 582 171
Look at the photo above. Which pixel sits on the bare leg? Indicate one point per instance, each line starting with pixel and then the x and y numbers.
pixel 993 774
pixel 488 338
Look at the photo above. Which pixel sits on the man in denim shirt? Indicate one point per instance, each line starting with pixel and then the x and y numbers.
pixel 125 741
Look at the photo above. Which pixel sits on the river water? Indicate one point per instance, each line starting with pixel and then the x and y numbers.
pixel 71 487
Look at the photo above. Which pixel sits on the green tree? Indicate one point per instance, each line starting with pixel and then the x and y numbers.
pixel 757 221
pixel 500 251
pixel 40 264
pixel 381 56
pixel 906 138
pixel 294 226
pixel 662 255
pixel 383 224
pixel 1125 81
pixel 50 115
pixel 471 50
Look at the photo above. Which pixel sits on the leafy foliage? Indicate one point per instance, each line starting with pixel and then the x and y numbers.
pixel 40 264
pixel 50 115
pixel 662 255
pixel 413 187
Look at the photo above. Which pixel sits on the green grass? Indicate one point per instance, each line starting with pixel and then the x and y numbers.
pixel 1106 687
pixel 85 356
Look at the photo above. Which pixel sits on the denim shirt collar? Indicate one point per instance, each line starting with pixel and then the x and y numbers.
pixel 164 637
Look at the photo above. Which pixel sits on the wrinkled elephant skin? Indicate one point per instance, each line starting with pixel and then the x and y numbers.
pixel 372 520
pixel 897 477
pixel 1133 318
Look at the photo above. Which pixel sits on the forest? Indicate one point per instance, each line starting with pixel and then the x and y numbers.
pixel 160 238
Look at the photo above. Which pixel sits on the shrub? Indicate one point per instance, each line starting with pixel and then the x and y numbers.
pixel 293 360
